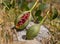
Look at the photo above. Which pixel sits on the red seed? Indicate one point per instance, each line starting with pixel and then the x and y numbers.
pixel 23 19
pixel 21 23
pixel 23 16
pixel 26 17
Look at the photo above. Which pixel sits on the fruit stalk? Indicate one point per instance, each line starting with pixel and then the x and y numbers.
pixel 44 19
pixel 34 6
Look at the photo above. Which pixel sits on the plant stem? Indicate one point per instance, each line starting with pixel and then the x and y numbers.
pixel 44 19
pixel 6 5
pixel 34 6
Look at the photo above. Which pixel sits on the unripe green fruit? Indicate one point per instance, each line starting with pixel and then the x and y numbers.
pixel 23 20
pixel 32 31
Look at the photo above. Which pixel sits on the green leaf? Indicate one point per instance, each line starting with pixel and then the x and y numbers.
pixel 40 18
pixel 26 7
pixel 38 12
pixel 30 4
pixel 54 13
pixel 43 6
pixel 38 15
pixel 23 4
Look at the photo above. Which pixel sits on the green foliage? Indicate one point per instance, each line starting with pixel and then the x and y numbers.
pixel 23 4
pixel 30 4
pixel 11 10
pixel 43 6
pixel 38 15
pixel 55 13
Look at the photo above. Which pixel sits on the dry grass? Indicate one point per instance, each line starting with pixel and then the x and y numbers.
pixel 7 22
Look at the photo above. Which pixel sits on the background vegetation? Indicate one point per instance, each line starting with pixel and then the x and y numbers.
pixel 10 9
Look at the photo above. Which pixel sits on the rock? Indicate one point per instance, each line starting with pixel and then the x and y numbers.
pixel 44 33
pixel 27 42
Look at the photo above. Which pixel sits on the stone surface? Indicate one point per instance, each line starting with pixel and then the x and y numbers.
pixel 27 42
pixel 21 35
pixel 44 33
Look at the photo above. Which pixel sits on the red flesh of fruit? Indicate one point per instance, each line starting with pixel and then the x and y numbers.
pixel 23 19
